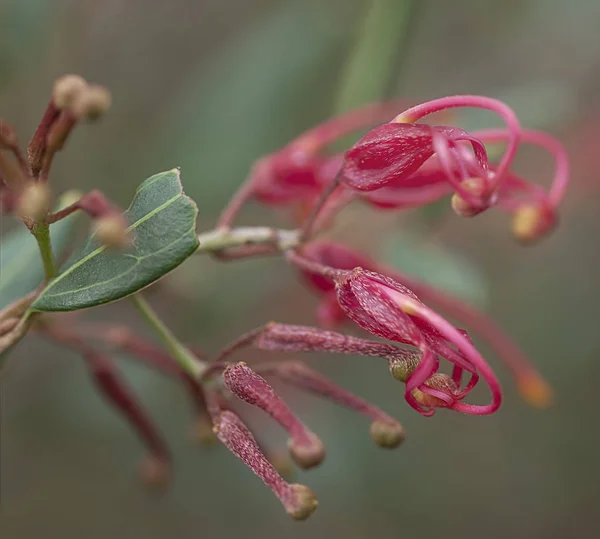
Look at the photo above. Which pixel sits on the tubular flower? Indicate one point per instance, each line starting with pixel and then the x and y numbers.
pixel 530 383
pixel 406 164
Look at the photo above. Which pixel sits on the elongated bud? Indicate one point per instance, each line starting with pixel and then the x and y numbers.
pixel 112 231
pixel 92 103
pixel 36 201
pixel 299 501
pixel 305 447
pixel 154 471
pixel 67 90
pixel 292 338
pixel 385 430
pixel 532 222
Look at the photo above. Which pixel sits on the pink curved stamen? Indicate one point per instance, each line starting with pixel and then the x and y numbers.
pixel 451 334
pixel 504 111
pixel 552 145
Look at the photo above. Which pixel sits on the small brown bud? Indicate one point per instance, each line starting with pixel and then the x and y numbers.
pixel 387 434
pixel 307 454
pixel 401 367
pixel 155 473
pixel 464 208
pixel 304 502
pixel 92 104
pixel 35 201
pixel 439 381
pixel 112 231
pixel 67 90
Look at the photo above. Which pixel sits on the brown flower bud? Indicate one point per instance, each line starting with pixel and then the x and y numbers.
pixel 387 434
pixel 307 452
pixel 464 208
pixel 92 104
pixel 304 502
pixel 112 231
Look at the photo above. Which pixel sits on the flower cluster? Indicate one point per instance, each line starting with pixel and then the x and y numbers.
pixel 403 163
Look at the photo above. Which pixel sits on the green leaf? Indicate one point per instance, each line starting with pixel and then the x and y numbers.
pixel 21 267
pixel 163 220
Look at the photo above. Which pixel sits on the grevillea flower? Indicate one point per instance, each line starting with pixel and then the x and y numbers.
pixel 530 382
pixel 405 164
pixel 297 173
pixel 388 309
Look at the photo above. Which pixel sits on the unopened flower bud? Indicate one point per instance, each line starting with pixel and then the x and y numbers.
pixel 304 502
pixel 465 208
pixel 403 366
pixel 92 103
pixel 531 222
pixel 438 381
pixel 387 434
pixel 67 90
pixel 112 231
pixel 155 473
pixel 35 201
pixel 307 452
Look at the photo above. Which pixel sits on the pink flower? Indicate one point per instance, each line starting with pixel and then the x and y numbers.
pixel 389 310
pixel 530 383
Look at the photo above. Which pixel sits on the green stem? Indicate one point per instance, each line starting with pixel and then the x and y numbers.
pixel 41 233
pixel 188 361
pixel 375 62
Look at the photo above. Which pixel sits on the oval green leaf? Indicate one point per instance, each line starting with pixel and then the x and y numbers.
pixel 163 220
pixel 21 267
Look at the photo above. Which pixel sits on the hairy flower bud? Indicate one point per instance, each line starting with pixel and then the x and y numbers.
pixel 385 430
pixel 112 231
pixel 387 434
pixel 299 501
pixel 306 449
pixel 35 201
pixel 67 89
pixel 92 103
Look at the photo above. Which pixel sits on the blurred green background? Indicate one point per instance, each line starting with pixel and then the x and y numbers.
pixel 210 85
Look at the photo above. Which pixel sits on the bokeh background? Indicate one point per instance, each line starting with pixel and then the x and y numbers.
pixel 210 85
